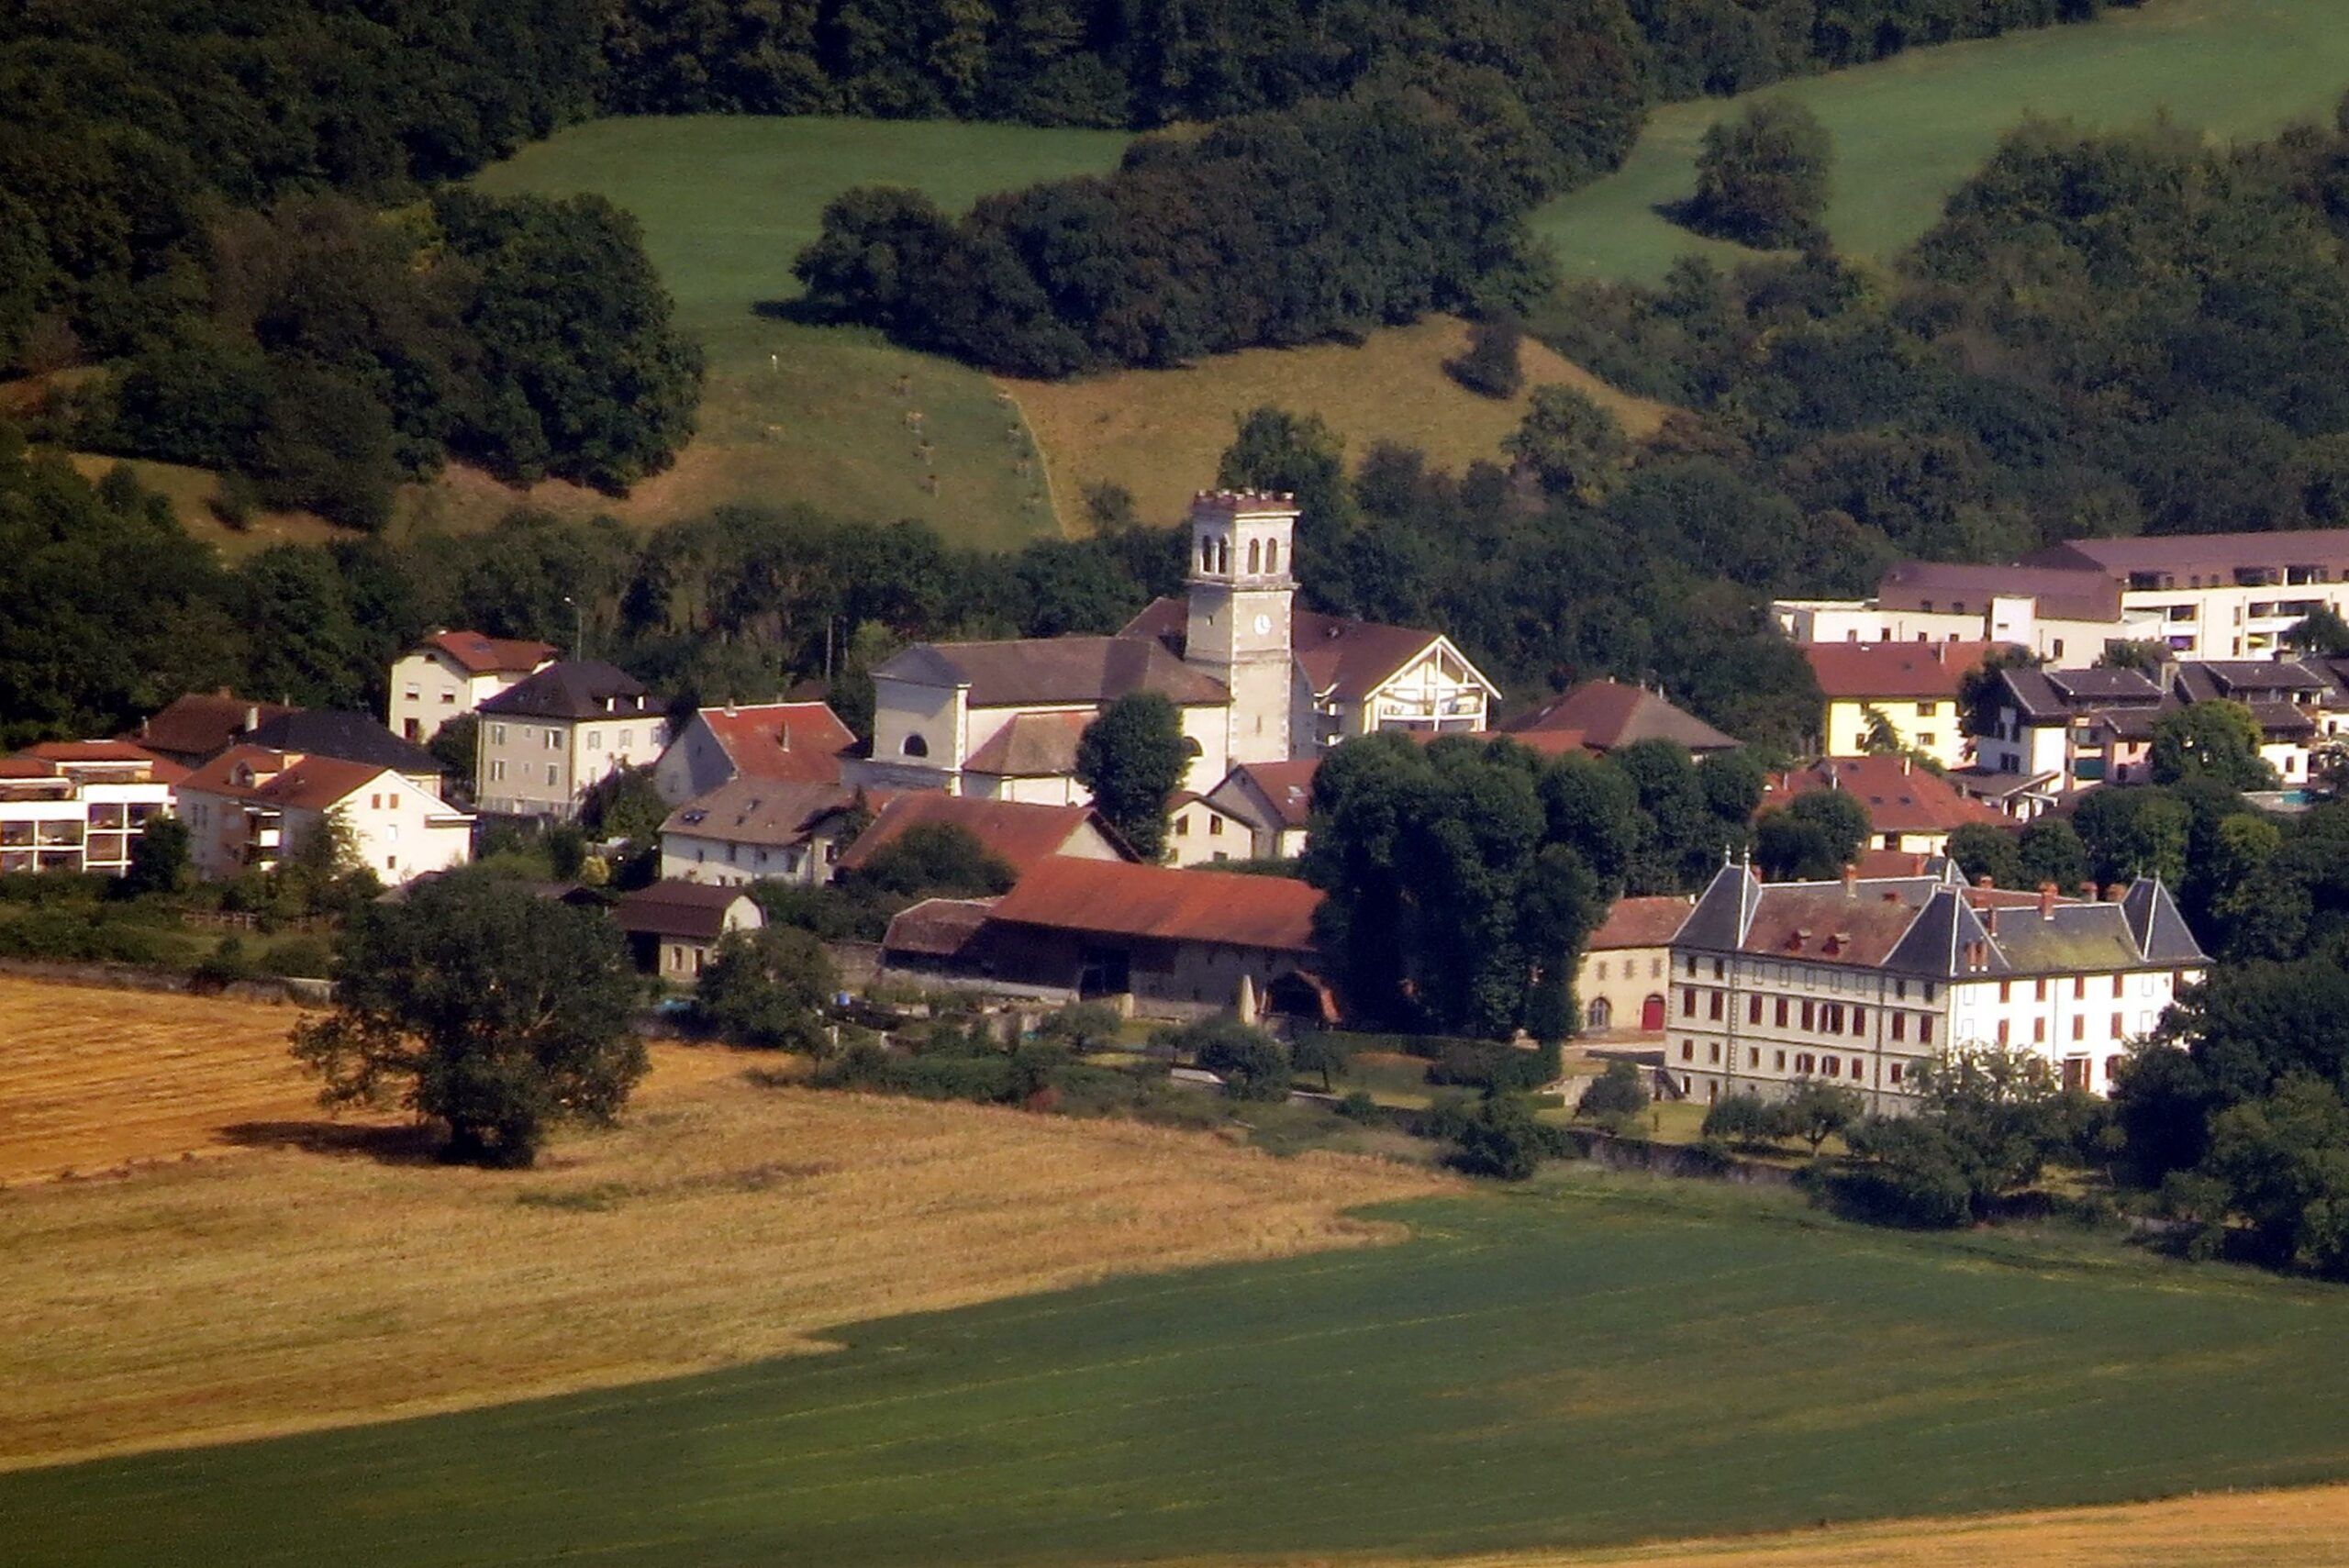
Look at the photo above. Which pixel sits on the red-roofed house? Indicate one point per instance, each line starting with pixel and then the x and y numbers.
pixel 453 673
pixel 1626 967
pixel 193 729
pixel 1909 809
pixel 781 742
pixel 1277 799
pixel 1913 686
pixel 1017 834
pixel 1175 944
pixel 253 807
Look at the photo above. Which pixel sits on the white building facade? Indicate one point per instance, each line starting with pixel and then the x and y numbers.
pixel 1862 982
pixel 450 673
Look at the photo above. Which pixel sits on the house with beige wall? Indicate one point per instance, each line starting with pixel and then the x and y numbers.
pixel 549 739
pixel 1621 984
pixel 1916 687
pixel 251 808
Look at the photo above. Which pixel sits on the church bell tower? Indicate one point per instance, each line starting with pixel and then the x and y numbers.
pixel 1241 590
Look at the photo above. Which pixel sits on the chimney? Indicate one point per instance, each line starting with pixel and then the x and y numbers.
pixel 1990 919
pixel 1850 881
pixel 252 719
pixel 2114 893
pixel 2087 893
pixel 1907 763
pixel 1984 881
pixel 2046 900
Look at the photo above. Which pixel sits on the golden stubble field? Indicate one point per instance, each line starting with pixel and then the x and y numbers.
pixel 322 1277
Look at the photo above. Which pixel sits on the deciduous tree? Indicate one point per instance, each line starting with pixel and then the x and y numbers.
pixel 1133 758
pixel 492 1011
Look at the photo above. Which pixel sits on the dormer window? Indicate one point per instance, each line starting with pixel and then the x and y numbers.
pixel 914 746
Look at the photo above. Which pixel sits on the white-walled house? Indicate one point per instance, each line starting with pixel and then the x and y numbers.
pixel 1863 981
pixel 750 831
pixel 1277 801
pixel 549 739
pixel 253 808
pixel 1200 832
pixel 452 673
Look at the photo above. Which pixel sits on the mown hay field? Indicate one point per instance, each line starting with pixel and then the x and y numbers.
pixel 2301 1529
pixel 93 1080
pixel 333 1274
pixel 1589 1364
pixel 1909 130
pixel 1159 432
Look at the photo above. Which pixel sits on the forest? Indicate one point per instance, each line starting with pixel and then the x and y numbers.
pixel 2105 335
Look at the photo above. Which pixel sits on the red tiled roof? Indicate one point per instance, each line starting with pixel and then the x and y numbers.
pixel 285 779
pixel 111 753
pixel 791 742
pixel 1640 923
pixel 1287 787
pixel 1115 899
pixel 205 724
pixel 1604 715
pixel 1900 798
pixel 483 655
pixel 1017 833
pixel 1901 670
pixel 1892 863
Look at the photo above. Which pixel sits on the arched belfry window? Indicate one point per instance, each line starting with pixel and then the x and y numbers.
pixel 1223 556
pixel 1255 557
pixel 1272 555
pixel 915 746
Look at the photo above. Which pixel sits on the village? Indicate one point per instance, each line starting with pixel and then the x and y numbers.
pixel 1959 701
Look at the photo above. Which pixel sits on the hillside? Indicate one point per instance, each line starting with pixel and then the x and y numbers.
pixel 1908 130
pixel 1159 433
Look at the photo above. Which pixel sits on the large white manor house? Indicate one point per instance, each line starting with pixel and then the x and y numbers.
pixel 1256 679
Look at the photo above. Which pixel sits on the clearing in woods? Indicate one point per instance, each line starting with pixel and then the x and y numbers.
pixel 333 1275
pixel 1159 433
pixel 1588 1363
pixel 1909 129
pixel 793 412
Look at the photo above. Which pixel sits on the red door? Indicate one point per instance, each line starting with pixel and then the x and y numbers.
pixel 1652 1015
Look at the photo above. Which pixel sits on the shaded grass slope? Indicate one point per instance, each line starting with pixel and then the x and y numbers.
pixel 1601 1361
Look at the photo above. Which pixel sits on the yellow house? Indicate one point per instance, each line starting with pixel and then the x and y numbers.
pixel 1906 693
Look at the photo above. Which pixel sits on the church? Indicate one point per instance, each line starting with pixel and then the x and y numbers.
pixel 1255 678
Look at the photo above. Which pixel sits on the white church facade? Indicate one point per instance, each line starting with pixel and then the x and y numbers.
pixel 1255 679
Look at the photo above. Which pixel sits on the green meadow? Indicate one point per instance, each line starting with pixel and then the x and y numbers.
pixel 1909 129
pixel 795 412
pixel 1593 1359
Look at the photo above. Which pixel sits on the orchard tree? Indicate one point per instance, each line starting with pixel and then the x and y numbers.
pixel 475 1003
pixel 1250 1062
pixel 1489 368
pixel 1131 758
pixel 1763 177
pixel 1816 1110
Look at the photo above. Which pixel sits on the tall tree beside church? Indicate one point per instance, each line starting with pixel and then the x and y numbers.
pixel 1131 758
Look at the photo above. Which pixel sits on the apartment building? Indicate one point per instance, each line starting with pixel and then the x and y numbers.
pixel 2067 616
pixel 78 806
pixel 549 739
pixel 2218 596
pixel 1864 981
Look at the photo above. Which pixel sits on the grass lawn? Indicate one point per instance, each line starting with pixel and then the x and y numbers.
pixel 796 412
pixel 1594 1359
pixel 1908 130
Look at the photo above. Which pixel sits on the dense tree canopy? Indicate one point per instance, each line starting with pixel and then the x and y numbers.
pixel 1762 177
pixel 480 1004
pixel 1131 758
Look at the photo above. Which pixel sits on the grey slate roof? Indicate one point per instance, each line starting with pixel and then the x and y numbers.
pixel 576 688
pixel 348 737
pixel 1052 670
pixel 1936 928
